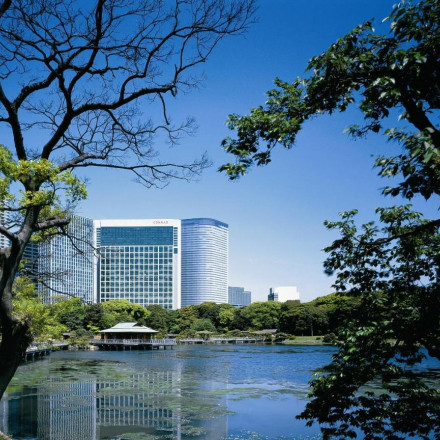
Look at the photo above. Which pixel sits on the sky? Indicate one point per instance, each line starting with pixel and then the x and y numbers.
pixel 275 213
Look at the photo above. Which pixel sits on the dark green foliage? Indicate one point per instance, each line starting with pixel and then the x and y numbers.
pixel 69 312
pixel 318 317
pixel 122 310
pixel 261 315
pixel 72 320
pixel 220 318
pixel 280 337
pixel 159 319
pixel 80 337
pixel 389 272
pixel 203 324
pixel 97 317
pixel 393 271
pixel 186 316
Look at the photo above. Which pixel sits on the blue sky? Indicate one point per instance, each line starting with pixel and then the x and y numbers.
pixel 276 213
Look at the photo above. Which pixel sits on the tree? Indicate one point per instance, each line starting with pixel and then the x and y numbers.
pixel 392 269
pixel 186 317
pixel 74 78
pixel 261 315
pixel 96 318
pixel 44 325
pixel 209 310
pixel 203 324
pixel 159 318
pixel 226 316
pixel 69 312
pixel 122 310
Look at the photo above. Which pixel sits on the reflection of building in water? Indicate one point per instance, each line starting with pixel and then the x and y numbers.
pixel 216 426
pixel 54 410
pixel 20 415
pixel 153 403
pixel 4 409
pixel 142 400
pixel 67 411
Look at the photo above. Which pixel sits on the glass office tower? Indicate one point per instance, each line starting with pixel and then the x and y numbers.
pixel 239 297
pixel 65 263
pixel 138 260
pixel 204 261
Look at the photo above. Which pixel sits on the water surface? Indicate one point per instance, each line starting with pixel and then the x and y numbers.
pixel 191 392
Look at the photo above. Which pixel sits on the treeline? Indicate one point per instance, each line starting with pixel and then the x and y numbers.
pixel 323 316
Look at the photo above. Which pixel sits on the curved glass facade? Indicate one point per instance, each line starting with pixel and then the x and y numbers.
pixel 204 261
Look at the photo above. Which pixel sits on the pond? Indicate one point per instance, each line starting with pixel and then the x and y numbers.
pixel 220 392
pixel 203 392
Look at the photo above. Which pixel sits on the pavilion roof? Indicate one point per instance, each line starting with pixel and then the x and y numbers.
pixel 128 327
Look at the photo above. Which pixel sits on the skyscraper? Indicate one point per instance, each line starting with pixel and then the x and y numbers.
pixel 204 261
pixel 4 220
pixel 65 262
pixel 238 297
pixel 138 260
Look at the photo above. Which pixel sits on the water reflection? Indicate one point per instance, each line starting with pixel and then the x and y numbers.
pixel 208 393
pixel 142 405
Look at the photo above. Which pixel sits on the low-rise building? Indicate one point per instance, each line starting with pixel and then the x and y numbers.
pixel 283 294
pixel 128 330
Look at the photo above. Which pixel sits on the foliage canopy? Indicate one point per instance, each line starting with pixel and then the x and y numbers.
pixel 392 269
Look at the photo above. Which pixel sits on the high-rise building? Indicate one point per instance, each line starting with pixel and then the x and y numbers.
pixel 283 294
pixel 65 262
pixel 238 297
pixel 204 261
pixel 138 260
pixel 4 220
pixel 30 260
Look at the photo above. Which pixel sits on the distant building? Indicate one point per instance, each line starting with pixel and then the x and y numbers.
pixel 30 260
pixel 4 220
pixel 204 261
pixel 283 294
pixel 238 297
pixel 138 260
pixel 65 262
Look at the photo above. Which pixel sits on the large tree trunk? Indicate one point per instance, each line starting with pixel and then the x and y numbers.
pixel 16 337
pixel 16 334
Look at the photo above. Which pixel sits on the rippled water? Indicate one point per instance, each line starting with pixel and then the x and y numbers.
pixel 202 392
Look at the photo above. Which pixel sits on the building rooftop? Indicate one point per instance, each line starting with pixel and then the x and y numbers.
pixel 128 327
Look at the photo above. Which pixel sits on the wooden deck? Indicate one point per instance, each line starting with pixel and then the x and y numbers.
pixel 133 344
pixel 35 351
pixel 191 341
pixel 245 340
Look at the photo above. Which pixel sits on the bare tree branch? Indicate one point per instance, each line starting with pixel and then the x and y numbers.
pixel 82 76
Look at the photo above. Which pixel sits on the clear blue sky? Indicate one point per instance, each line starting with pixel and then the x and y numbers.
pixel 276 213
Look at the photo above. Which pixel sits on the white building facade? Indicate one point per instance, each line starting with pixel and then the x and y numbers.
pixel 204 261
pixel 283 294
